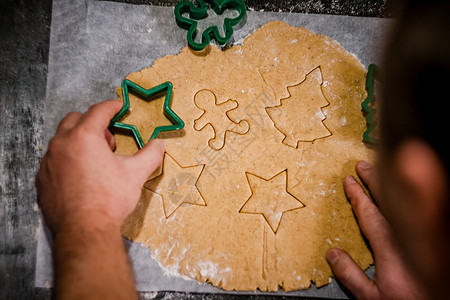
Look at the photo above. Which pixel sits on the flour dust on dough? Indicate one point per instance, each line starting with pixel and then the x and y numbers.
pixel 260 207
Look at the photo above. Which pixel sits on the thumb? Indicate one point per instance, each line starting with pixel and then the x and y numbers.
pixel 351 276
pixel 148 159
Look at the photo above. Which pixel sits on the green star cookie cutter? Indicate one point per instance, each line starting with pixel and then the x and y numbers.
pixel 129 86
pixel 373 72
pixel 201 12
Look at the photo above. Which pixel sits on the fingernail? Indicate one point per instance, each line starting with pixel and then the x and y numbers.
pixel 332 256
pixel 161 145
pixel 364 165
pixel 350 179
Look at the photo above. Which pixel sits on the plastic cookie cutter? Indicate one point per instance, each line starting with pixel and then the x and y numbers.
pixel 373 73
pixel 201 12
pixel 131 87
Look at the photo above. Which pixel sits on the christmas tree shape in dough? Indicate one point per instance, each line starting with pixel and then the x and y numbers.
pixel 270 198
pixel 217 116
pixel 300 116
pixel 177 185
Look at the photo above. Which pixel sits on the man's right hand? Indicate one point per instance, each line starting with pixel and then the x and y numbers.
pixel 393 279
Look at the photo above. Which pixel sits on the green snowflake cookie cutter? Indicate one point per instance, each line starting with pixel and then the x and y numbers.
pixel 201 12
pixel 373 72
pixel 129 86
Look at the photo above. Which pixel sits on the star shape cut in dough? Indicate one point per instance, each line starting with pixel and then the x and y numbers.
pixel 270 198
pixel 177 185
pixel 130 87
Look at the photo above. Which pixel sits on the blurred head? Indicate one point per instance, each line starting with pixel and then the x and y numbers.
pixel 415 134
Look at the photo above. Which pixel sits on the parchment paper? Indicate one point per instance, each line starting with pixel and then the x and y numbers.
pixel 95 44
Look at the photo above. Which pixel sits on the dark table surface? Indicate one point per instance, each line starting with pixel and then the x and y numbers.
pixel 24 42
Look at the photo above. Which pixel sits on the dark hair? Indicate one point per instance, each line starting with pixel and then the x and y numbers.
pixel 415 100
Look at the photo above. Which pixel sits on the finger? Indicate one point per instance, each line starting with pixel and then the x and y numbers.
pixel 39 174
pixel 368 175
pixel 372 223
pixel 99 115
pixel 110 139
pixel 350 275
pixel 42 176
pixel 148 159
pixel 68 122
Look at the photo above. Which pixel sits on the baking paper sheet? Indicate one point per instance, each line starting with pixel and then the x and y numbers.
pixel 95 44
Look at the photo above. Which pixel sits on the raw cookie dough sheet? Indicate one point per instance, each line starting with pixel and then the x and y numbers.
pixel 94 45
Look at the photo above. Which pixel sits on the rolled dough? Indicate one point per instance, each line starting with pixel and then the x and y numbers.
pixel 260 205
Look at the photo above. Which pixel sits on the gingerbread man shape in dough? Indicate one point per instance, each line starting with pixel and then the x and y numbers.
pixel 217 116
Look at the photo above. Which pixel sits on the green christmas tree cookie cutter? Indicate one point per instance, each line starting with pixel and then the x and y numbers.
pixel 373 72
pixel 131 87
pixel 201 12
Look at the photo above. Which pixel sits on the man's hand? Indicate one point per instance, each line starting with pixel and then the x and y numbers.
pixel 393 279
pixel 85 192
pixel 81 180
